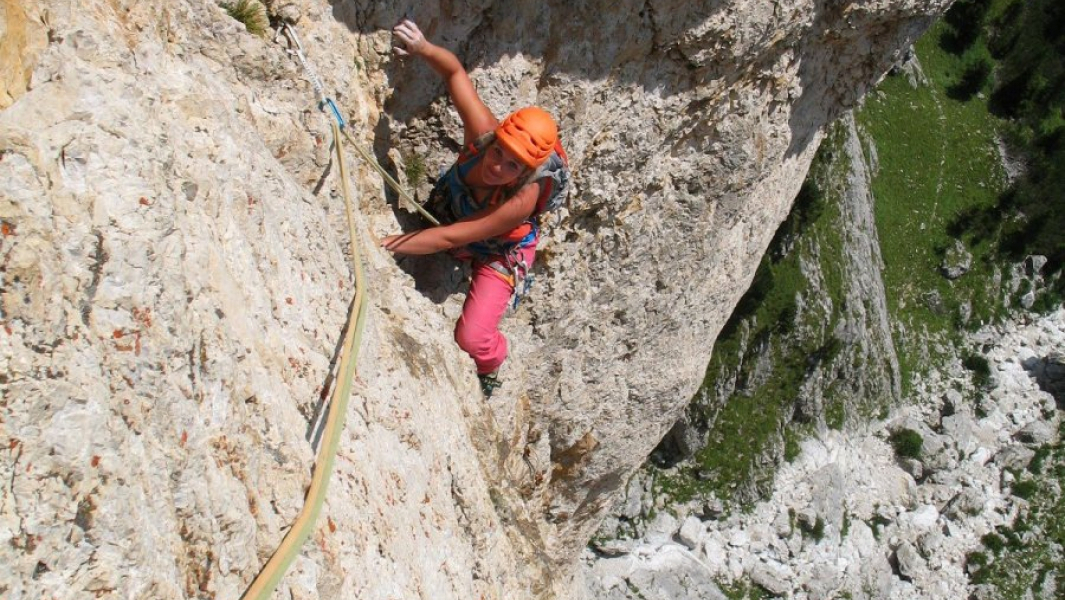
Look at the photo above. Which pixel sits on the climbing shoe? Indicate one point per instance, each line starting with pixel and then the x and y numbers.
pixel 489 383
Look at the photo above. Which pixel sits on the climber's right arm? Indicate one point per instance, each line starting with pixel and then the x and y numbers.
pixel 476 118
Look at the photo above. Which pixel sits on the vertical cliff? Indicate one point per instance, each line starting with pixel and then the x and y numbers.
pixel 174 280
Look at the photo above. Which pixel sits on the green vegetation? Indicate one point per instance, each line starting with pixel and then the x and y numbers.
pixel 1024 40
pixel 1029 44
pixel 414 169
pixel 980 368
pixel 877 524
pixel 907 443
pixel 976 559
pixel 743 591
pixel 1025 489
pixel 993 542
pixel 251 13
pixel 815 531
pixel 938 160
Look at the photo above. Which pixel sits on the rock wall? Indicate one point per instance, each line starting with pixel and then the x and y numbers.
pixel 174 279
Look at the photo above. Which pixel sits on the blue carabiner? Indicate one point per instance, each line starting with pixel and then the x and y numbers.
pixel 336 111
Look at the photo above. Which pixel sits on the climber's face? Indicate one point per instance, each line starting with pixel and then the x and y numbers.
pixel 500 166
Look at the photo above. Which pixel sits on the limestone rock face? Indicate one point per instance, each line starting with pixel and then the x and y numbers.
pixel 174 276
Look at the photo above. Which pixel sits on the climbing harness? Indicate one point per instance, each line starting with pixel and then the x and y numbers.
pixel 514 270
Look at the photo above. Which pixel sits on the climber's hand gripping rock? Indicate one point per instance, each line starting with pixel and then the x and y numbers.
pixel 412 40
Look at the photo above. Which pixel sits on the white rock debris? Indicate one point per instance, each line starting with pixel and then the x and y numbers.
pixel 886 535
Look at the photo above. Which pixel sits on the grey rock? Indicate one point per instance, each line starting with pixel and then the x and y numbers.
pixel 771 578
pixel 909 561
pixel 1049 372
pixel 913 467
pixel 782 525
pixel 965 311
pixel 934 301
pixel 967 503
pixel 195 325
pixel 1036 433
pixel 1034 264
pixel 962 429
pixel 686 581
pixel 806 518
pixel 661 528
pixel 1014 457
pixel 739 539
pixel 691 532
pixel 614 547
pixel 929 543
pixel 290 13
pixel 680 443
pixel 957 261
pixel 632 506
pixel 828 485
pixel 713 508
pixel 823 582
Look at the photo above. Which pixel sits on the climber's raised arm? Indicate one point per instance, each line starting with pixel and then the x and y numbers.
pixel 476 118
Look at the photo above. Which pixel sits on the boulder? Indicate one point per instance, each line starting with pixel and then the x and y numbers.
pixel 823 582
pixel 1049 372
pixel 1036 433
pixel 968 503
pixel 913 467
pixel 773 578
pixel 1015 456
pixel 1033 265
pixel 929 543
pixel 661 528
pixel 908 561
pixel 957 261
pixel 691 532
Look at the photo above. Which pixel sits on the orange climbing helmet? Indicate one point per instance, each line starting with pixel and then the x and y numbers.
pixel 529 134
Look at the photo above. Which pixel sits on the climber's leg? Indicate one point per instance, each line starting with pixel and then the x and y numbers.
pixel 477 331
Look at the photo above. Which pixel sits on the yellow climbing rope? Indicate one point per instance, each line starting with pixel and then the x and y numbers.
pixel 270 575
pixel 275 568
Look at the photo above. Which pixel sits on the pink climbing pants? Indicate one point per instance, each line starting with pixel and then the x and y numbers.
pixel 477 331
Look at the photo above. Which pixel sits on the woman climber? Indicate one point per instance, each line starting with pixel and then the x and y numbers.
pixel 487 202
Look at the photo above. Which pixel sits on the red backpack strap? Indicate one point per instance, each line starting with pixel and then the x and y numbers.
pixel 476 147
pixel 561 153
pixel 547 186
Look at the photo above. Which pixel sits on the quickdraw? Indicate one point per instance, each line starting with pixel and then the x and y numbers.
pixel 325 103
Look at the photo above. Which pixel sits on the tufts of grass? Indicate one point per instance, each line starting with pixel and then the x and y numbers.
pixel 907 443
pixel 414 168
pixel 993 542
pixel 980 368
pixel 251 13
pixel 1031 549
pixel 1025 489
pixel 815 531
